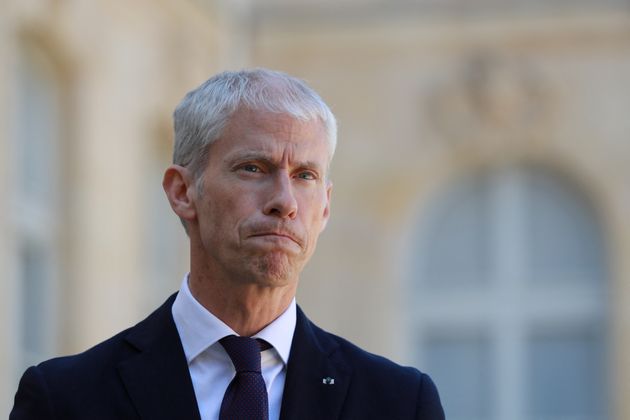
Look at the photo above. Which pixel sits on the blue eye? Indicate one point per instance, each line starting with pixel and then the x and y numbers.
pixel 308 176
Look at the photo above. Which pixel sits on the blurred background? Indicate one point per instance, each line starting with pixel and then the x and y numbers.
pixel 480 223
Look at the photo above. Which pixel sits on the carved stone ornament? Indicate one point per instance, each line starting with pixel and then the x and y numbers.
pixel 489 97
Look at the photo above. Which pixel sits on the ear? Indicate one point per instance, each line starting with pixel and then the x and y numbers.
pixel 179 187
pixel 327 207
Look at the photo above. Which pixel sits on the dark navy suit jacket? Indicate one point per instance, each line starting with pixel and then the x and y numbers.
pixel 141 373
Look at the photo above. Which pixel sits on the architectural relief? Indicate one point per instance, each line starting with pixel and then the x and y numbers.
pixel 490 97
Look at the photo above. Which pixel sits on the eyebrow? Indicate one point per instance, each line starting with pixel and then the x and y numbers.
pixel 267 159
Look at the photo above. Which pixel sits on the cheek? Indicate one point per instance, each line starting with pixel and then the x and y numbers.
pixel 316 215
pixel 217 216
pixel 315 200
pixel 234 211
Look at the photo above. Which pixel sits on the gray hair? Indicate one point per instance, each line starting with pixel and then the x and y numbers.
pixel 202 115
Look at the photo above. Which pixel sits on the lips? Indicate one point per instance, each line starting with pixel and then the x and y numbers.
pixel 279 234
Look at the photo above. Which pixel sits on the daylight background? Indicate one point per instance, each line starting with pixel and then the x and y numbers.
pixel 480 224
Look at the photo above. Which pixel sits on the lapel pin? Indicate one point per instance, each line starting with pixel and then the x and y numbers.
pixel 328 381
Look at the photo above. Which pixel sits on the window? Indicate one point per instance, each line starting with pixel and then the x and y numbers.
pixel 510 296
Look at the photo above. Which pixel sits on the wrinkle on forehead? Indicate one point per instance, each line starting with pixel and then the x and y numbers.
pixel 280 140
pixel 279 123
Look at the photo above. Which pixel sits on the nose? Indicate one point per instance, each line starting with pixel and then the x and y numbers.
pixel 281 200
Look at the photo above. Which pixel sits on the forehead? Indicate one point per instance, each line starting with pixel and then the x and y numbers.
pixel 271 133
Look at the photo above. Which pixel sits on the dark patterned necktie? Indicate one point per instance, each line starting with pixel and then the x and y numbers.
pixel 246 396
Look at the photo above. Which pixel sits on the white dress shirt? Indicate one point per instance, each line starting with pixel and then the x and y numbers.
pixel 211 369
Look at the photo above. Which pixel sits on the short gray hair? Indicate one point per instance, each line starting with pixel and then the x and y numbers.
pixel 202 115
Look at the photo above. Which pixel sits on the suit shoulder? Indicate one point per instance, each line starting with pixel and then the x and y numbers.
pixel 379 379
pixel 363 360
pixel 63 386
pixel 102 354
pixel 93 362
pixel 91 384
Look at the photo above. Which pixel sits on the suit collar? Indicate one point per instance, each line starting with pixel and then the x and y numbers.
pixel 317 378
pixel 159 385
pixel 157 378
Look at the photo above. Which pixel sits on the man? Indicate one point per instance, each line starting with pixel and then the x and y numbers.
pixel 250 184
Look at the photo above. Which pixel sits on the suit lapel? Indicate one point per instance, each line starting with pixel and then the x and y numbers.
pixel 157 378
pixel 317 380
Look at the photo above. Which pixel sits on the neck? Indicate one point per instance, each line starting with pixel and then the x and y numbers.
pixel 247 308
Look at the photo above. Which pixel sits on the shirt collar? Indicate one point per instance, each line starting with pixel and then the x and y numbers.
pixel 199 329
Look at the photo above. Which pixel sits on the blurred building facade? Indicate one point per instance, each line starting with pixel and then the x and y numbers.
pixel 481 183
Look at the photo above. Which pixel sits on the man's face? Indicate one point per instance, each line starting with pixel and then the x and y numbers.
pixel 264 198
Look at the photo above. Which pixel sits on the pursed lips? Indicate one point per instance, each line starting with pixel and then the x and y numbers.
pixel 278 234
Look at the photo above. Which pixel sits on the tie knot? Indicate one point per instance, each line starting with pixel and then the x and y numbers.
pixel 244 352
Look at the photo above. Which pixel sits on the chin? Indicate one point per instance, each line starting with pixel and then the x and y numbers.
pixel 276 269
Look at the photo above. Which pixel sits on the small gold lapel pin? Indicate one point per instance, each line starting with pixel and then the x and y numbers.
pixel 328 381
